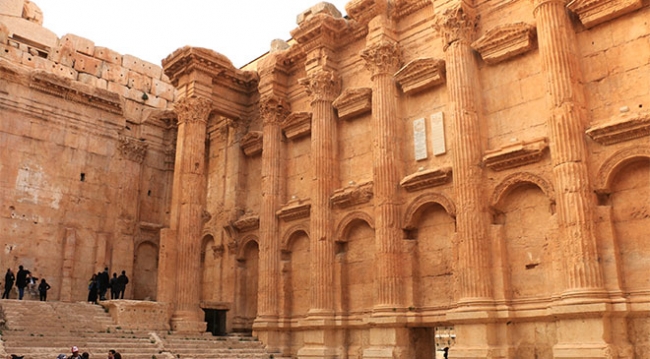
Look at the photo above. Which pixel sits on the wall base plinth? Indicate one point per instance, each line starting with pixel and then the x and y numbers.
pixel 188 322
pixel 388 343
pixel 321 344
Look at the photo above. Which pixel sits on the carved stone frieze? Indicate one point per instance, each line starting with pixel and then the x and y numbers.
pixel 457 23
pixel 365 10
pixel 516 154
pixel 274 110
pixel 193 109
pixel 384 57
pixel 297 124
pixel 621 129
pixel 402 8
pixel 247 222
pixel 505 42
pixel 352 195
pixel 132 149
pixel 594 12
pixel 294 210
pixel 426 179
pixel 251 143
pixel 353 102
pixel 322 85
pixel 421 74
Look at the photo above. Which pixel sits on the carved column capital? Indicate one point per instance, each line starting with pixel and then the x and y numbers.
pixel 193 109
pixel 538 3
pixel 457 23
pixel 384 57
pixel 131 149
pixel 273 109
pixel 322 85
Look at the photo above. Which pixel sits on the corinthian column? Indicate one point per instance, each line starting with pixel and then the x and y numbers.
pixel 383 60
pixel 273 111
pixel 457 28
pixel 323 86
pixel 560 62
pixel 188 205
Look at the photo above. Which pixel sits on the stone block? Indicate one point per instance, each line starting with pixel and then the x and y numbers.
pixel 78 43
pixel 88 64
pixel 36 62
pixel 138 81
pixel 63 55
pixel 141 66
pixel 93 81
pixel 11 53
pixel 162 89
pixel 64 71
pixel 115 73
pixel 117 88
pixel 156 102
pixel 108 55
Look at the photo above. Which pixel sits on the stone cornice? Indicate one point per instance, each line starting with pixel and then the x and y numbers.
pixel 456 23
pixel 363 11
pixel 505 42
pixel 251 143
pixel 322 85
pixel 421 74
pixel 193 109
pixel 620 129
pixel 247 222
pixel 384 57
pixel 294 210
pixel 426 179
pixel 297 124
pixel 274 109
pixel 320 30
pixel 352 195
pixel 594 12
pixel 131 149
pixel 516 154
pixel 353 102
pixel 402 8
pixel 76 91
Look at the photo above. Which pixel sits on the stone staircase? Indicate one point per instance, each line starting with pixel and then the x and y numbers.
pixel 41 330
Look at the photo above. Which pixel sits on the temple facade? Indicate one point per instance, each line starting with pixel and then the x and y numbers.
pixel 415 178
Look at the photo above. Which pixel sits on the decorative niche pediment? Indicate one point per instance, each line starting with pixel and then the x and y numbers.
pixel 421 74
pixel 426 179
pixel 594 12
pixel 247 222
pixel 297 124
pixel 352 195
pixel 294 210
pixel 516 154
pixel 620 129
pixel 505 42
pixel 353 103
pixel 251 143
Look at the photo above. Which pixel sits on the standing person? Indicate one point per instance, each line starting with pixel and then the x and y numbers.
pixel 75 353
pixel 92 289
pixel 103 284
pixel 21 281
pixel 117 356
pixel 114 287
pixel 111 353
pixel 85 355
pixel 9 283
pixel 42 290
pixel 122 281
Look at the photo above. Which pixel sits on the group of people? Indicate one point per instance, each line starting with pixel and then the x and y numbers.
pixel 24 279
pixel 112 354
pixel 100 283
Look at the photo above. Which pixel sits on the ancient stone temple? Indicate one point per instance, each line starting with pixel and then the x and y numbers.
pixel 416 177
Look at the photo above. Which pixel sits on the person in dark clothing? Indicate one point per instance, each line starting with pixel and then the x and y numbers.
pixel 122 281
pixel 43 287
pixel 93 288
pixel 103 284
pixel 21 281
pixel 114 287
pixel 9 283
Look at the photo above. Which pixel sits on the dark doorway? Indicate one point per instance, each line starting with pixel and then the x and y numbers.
pixel 216 320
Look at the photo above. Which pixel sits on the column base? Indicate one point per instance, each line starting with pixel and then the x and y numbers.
pixel 188 322
pixel 320 344
pixel 388 343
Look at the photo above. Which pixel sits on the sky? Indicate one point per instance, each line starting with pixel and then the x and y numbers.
pixel 242 30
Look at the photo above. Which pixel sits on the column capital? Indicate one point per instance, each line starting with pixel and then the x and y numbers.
pixel 384 57
pixel 193 109
pixel 538 3
pixel 322 85
pixel 273 109
pixel 457 23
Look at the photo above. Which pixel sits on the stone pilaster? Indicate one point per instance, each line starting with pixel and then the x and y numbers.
pixel 383 60
pixel 567 119
pixel 323 86
pixel 190 166
pixel 473 267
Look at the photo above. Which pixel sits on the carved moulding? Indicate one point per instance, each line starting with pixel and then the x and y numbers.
pixel 247 222
pixel 294 210
pixel 352 195
pixel 353 102
pixel 131 149
pixel 402 8
pixel 297 124
pixel 594 12
pixel 611 166
pixel 421 74
pixel 426 179
pixel 251 143
pixel 620 129
pixel 505 42
pixel 515 180
pixel 516 154
pixel 76 91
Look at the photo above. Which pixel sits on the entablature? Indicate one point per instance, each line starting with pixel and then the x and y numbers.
pixel 421 74
pixel 247 222
pixel 353 102
pixel 297 124
pixel 505 42
pixel 426 179
pixel 352 195
pixel 516 154
pixel 620 129
pixel 294 210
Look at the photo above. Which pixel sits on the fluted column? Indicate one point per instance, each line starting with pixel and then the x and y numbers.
pixel 383 60
pixel 567 118
pixel 457 28
pixel 323 86
pixel 190 164
pixel 273 111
